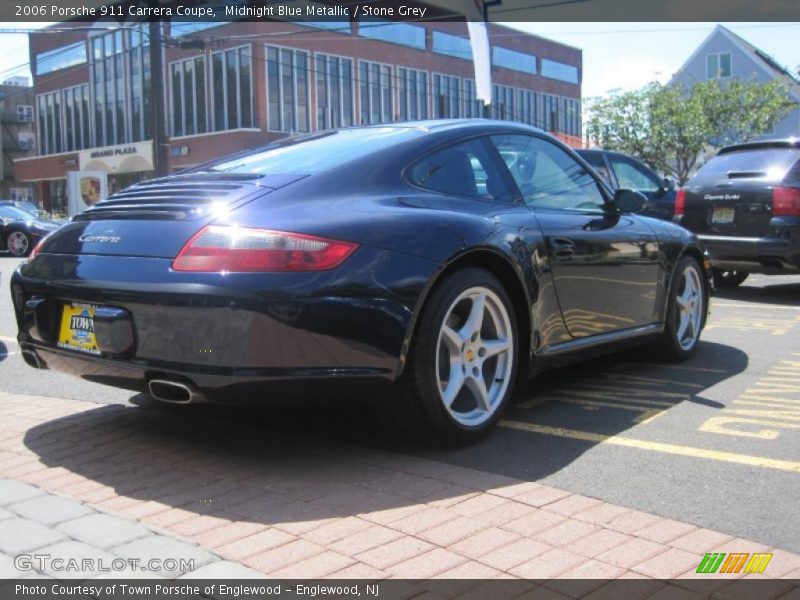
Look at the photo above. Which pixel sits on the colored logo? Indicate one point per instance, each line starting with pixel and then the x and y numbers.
pixel 82 326
pixel 721 562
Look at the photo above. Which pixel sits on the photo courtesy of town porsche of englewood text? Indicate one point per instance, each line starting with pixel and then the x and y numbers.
pixel 447 299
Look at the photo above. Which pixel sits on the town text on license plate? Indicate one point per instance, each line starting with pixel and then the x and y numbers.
pixel 77 328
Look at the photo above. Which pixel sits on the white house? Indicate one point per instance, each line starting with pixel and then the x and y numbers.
pixel 725 55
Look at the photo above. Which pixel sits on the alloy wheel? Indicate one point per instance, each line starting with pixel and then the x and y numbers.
pixel 18 243
pixel 689 303
pixel 474 356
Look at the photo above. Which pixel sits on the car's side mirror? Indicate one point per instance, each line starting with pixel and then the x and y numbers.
pixel 628 201
pixel 668 184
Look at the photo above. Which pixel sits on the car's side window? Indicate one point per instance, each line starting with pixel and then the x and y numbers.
pixel 632 176
pixel 598 163
pixel 464 169
pixel 547 176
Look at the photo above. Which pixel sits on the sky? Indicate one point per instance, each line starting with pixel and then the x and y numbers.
pixel 629 55
pixel 615 55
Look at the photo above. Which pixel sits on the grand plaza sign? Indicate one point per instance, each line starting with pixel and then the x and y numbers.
pixel 124 158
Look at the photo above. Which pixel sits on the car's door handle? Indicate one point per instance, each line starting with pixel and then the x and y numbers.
pixel 562 248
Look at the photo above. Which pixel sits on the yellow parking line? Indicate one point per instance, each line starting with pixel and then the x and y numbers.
pixel 753 305
pixel 657 381
pixel 684 368
pixel 694 452
pixel 648 412
pixel 593 390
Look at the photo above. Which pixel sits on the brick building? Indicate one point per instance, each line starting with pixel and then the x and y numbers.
pixel 241 84
pixel 17 136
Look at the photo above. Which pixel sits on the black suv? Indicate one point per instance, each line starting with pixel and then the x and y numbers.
pixel 744 204
pixel 621 171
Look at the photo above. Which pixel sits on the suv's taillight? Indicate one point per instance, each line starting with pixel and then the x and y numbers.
pixel 785 202
pixel 680 203
pixel 241 249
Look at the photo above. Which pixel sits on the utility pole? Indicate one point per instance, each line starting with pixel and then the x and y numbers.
pixel 487 108
pixel 157 103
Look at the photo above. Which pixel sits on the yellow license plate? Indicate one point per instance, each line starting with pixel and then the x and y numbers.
pixel 77 328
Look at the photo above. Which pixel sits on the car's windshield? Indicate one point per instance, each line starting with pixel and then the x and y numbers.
pixel 12 212
pixel 314 153
pixel 28 207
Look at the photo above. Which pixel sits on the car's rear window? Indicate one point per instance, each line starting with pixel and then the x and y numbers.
pixel 762 163
pixel 315 153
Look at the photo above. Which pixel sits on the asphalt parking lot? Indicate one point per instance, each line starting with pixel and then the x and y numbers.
pixel 713 441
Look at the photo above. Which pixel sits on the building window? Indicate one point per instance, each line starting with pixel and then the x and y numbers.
pixel 287 90
pixel 446 97
pixel 473 108
pixel 526 103
pixel 24 113
pixel 188 97
pixel 549 115
pixel 718 65
pixel 49 108
pixel 232 82
pixel 187 28
pixel 76 117
pixel 412 90
pixel 503 103
pixel 394 33
pixel 376 93
pixel 26 140
pixel 560 71
pixel 121 115
pixel 334 76
pixel 140 84
pixel 452 45
pixel 511 59
pixel 21 194
pixel 61 58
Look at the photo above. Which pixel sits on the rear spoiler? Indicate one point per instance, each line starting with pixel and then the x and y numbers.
pixel 765 144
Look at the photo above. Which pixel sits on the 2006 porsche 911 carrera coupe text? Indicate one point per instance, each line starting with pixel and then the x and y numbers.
pixel 445 259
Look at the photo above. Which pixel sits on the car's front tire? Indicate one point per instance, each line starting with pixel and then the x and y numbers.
pixel 686 311
pixel 727 280
pixel 463 360
pixel 18 243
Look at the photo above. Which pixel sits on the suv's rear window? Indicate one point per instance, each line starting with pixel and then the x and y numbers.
pixel 766 163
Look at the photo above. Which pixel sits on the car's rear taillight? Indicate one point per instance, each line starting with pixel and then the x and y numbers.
pixel 241 249
pixel 680 203
pixel 785 202
pixel 38 247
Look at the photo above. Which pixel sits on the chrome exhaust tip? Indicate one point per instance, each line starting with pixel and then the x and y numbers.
pixel 174 392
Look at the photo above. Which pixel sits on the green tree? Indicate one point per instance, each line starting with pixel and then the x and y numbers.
pixel 669 127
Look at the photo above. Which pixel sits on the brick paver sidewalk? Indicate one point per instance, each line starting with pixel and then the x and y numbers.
pixel 34 523
pixel 291 506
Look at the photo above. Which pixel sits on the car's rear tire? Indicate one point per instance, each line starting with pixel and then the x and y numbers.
pixel 727 280
pixel 463 360
pixel 18 243
pixel 686 311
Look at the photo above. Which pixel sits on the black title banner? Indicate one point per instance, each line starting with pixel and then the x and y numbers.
pixel 263 589
pixel 329 11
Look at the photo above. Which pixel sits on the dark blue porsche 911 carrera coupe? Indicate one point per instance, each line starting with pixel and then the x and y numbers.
pixel 449 260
